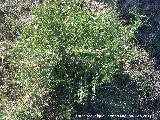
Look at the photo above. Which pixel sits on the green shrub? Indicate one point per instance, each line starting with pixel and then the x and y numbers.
pixel 69 52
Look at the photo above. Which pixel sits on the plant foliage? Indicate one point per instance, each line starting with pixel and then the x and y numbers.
pixel 68 49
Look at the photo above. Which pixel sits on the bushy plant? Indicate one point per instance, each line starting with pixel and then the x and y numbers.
pixel 68 52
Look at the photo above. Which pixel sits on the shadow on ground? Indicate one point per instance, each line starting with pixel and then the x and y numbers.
pixel 148 36
pixel 122 96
